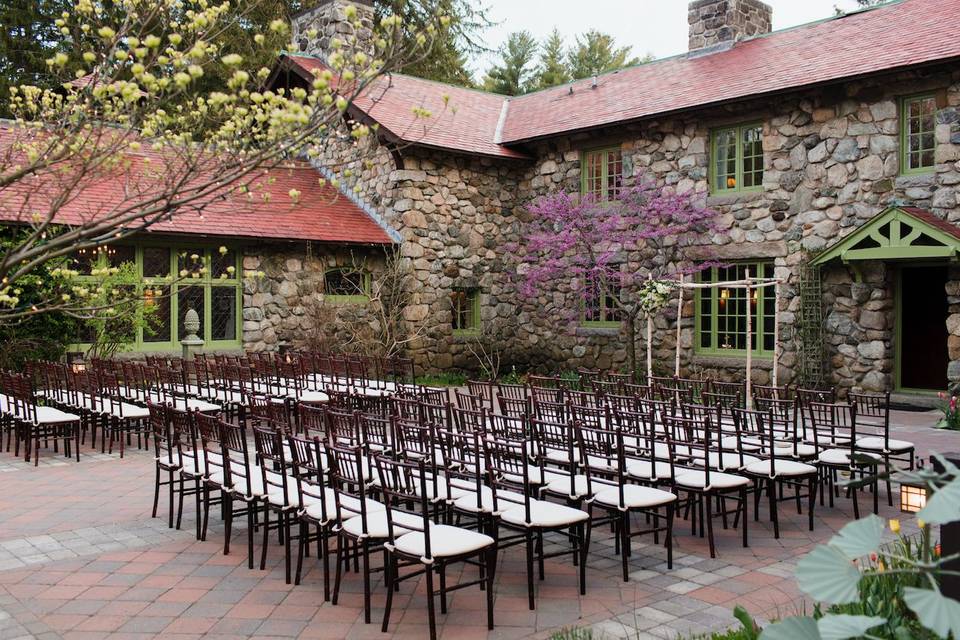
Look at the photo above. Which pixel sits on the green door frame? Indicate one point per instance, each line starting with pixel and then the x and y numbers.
pixel 898 326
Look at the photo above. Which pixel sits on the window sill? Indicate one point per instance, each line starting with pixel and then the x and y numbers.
pixel 598 329
pixel 346 299
pixel 732 197
pixel 466 333
pixel 737 360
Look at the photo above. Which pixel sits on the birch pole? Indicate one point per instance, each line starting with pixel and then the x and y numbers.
pixel 676 365
pixel 749 383
pixel 776 330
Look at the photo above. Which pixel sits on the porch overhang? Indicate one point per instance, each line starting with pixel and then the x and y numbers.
pixel 897 233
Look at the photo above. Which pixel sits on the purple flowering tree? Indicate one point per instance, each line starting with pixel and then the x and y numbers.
pixel 589 245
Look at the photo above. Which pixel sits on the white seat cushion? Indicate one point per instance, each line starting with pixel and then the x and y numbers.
pixel 718 480
pixel 802 450
pixel 377 524
pixel 545 515
pixel 559 483
pixel 875 443
pixel 645 470
pixel 506 500
pixel 49 415
pixel 445 542
pixel 728 460
pixel 747 443
pixel 841 456
pixel 781 467
pixel 349 504
pixel 634 497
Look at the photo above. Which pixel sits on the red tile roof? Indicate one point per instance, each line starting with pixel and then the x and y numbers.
pixel 466 122
pixel 904 34
pixel 321 213
pixel 899 35
pixel 933 220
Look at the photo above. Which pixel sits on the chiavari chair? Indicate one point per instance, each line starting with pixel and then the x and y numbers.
pixel 873 432
pixel 834 427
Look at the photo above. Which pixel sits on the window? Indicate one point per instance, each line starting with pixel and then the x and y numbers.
pixel 602 173
pixel 737 159
pixel 917 140
pixel 722 313
pixel 175 279
pixel 346 285
pixel 465 305
pixel 600 310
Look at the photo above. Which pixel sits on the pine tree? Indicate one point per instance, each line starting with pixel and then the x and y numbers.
pixel 513 75
pixel 597 53
pixel 552 70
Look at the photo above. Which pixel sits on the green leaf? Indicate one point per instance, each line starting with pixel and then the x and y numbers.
pixel 826 574
pixel 943 506
pixel 842 626
pixel 859 538
pixel 749 624
pixel 934 610
pixel 796 628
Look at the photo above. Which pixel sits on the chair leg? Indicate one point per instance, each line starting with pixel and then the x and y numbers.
pixel 812 489
pixel 388 580
pixel 227 524
pixel 584 533
pixel 743 505
pixel 774 516
pixel 304 529
pixel 156 493
pixel 266 537
pixel 442 572
pixel 624 543
pixel 251 525
pixel 366 582
pixel 325 550
pixel 491 560
pixel 341 543
pixel 669 536
pixel 170 492
pixel 529 546
pixel 431 614
pixel 709 518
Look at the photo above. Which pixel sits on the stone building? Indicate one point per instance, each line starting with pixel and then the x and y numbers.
pixel 830 153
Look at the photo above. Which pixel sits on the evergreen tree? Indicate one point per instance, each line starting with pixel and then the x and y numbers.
pixel 552 70
pixel 597 53
pixel 513 75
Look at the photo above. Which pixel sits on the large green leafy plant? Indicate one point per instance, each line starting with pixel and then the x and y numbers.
pixel 866 590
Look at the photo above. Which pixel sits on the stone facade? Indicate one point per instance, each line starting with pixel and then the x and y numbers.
pixel 716 22
pixel 831 163
pixel 314 29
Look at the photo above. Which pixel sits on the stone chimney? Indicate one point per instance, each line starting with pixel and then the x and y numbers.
pixel 329 20
pixel 714 23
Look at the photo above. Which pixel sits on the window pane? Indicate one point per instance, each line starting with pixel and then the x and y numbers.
pixel 919 132
pixel 729 307
pixel 189 297
pixel 725 163
pixel 159 323
pixel 223 264
pixel 156 262
pixel 190 264
pixel 344 282
pixel 614 174
pixel 752 157
pixel 223 313
pixel 463 305
pixel 118 255
pixel 591 302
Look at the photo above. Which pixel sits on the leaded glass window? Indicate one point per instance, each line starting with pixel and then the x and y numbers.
pixel 599 305
pixel 346 284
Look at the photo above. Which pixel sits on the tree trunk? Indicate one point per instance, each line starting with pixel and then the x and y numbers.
pixel 632 346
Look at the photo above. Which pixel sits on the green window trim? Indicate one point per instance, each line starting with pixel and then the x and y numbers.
pixel 205 284
pixel 607 182
pixel 747 157
pixel 713 334
pixel 465 322
pixel 605 313
pixel 358 298
pixel 922 160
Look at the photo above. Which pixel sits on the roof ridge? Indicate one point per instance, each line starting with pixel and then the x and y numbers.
pixel 356 200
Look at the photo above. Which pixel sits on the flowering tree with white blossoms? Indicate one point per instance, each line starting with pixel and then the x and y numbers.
pixel 135 115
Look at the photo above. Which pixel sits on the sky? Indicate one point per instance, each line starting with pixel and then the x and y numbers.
pixel 649 26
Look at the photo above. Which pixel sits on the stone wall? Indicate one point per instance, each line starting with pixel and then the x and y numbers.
pixel 286 306
pixel 831 161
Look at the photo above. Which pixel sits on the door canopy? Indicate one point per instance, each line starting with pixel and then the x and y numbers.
pixel 898 233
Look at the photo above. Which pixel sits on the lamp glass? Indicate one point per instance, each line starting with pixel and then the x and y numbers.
pixel 912 498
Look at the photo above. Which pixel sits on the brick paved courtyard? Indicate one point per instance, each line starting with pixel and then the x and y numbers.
pixel 80 557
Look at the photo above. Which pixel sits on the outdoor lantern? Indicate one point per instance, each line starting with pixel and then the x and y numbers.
pixel 913 498
pixel 731 183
